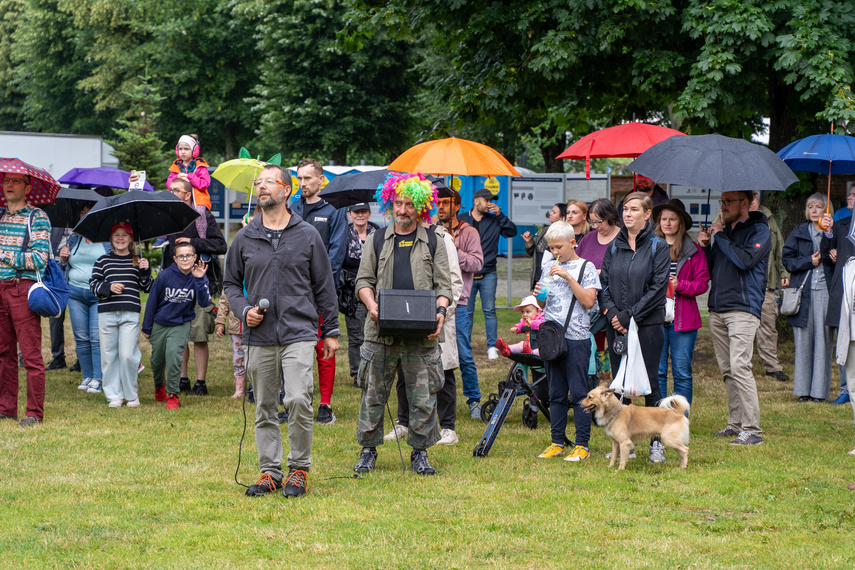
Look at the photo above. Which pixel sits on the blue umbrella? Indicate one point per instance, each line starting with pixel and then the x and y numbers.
pixel 824 154
pixel 101 176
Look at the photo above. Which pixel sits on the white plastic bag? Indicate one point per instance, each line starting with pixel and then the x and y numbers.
pixel 631 379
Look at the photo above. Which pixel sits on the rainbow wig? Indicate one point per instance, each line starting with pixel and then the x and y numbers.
pixel 414 186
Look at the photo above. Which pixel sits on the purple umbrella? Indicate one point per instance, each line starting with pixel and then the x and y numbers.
pixel 102 176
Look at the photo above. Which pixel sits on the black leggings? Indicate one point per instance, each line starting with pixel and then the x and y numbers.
pixel 651 338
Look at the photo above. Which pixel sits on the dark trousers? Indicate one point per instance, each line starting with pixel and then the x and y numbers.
pixel 651 338
pixel 57 336
pixel 568 384
pixel 446 401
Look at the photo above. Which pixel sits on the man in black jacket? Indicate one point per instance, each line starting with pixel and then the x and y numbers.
pixel 737 259
pixel 490 222
pixel 281 262
pixel 207 248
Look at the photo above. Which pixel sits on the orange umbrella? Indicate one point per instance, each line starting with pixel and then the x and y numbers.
pixel 453 156
pixel 628 140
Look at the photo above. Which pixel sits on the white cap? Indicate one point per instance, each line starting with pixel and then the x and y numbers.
pixel 530 300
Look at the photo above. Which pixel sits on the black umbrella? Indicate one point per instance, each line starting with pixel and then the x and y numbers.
pixel 714 162
pixel 65 211
pixel 150 215
pixel 359 187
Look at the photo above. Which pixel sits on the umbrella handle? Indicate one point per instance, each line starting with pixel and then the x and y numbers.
pixel 827 198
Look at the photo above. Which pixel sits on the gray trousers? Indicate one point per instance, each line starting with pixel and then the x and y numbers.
pixel 355 336
pixel 812 372
pixel 294 362
pixel 732 335
pixel 767 333
pixel 57 336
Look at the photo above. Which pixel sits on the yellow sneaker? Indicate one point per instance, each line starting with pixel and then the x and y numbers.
pixel 551 451
pixel 578 454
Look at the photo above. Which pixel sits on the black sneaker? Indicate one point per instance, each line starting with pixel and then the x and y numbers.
pixel 29 421
pixel 75 367
pixel 56 364
pixel 184 385
pixel 367 460
pixel 250 395
pixel 726 432
pixel 779 376
pixel 325 415
pixel 265 484
pixel 283 416
pixel 296 483
pixel 199 388
pixel 419 463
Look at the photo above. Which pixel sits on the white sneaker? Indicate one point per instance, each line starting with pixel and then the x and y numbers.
pixel 493 353
pixel 115 403
pixel 94 386
pixel 140 369
pixel 852 452
pixel 84 384
pixel 135 403
pixel 400 432
pixel 449 437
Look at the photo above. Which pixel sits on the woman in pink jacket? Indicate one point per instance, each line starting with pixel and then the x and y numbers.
pixel 690 277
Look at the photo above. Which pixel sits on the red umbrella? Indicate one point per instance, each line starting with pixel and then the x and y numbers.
pixel 626 141
pixel 44 187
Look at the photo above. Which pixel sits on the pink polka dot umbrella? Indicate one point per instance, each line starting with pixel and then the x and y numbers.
pixel 44 187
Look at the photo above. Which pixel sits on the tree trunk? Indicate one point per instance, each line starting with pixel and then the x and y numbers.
pixel 339 155
pixel 549 152
pixel 782 122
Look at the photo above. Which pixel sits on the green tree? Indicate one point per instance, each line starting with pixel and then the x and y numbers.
pixel 136 140
pixel 316 96
pixel 11 98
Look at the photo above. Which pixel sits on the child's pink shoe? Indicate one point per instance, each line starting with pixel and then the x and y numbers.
pixel 503 348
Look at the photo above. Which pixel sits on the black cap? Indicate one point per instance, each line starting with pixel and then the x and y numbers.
pixel 360 206
pixel 486 194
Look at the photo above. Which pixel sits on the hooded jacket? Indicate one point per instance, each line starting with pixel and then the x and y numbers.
pixel 173 298
pixel 737 258
pixel 693 279
pixel 635 282
pixel 796 256
pixel 296 279
pixel 331 225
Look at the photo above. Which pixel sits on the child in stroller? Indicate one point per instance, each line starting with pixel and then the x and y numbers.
pixel 531 319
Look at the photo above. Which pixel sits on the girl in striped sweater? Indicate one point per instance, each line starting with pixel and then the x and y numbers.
pixel 117 280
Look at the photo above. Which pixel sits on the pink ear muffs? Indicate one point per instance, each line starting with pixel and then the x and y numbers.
pixel 195 151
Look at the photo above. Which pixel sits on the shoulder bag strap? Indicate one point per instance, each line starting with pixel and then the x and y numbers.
pixel 573 302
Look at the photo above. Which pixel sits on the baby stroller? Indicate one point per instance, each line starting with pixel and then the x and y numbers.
pixel 495 409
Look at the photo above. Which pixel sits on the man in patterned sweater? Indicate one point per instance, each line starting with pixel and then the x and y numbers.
pixel 18 324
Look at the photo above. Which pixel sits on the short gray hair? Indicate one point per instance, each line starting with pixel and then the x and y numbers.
pixel 560 230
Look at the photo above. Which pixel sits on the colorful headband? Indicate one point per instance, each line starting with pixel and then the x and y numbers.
pixel 125 226
pixel 187 139
pixel 414 186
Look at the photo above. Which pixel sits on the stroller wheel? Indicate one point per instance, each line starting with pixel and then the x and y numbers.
pixel 488 408
pixel 529 414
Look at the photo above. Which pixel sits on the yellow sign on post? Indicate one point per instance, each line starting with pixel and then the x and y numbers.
pixel 455 183
pixel 492 184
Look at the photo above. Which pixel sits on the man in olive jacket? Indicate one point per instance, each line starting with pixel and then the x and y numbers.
pixel 277 273
pixel 405 243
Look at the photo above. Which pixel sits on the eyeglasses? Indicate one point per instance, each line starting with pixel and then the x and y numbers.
pixel 595 222
pixel 178 191
pixel 444 201
pixel 729 202
pixel 268 182
pixel 15 180
pixel 186 256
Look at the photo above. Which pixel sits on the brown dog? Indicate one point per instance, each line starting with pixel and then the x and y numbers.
pixel 625 424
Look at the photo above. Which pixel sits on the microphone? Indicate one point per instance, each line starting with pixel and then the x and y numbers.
pixel 263 305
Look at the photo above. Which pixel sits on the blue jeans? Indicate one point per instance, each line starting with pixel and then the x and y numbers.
pixel 468 371
pixel 487 286
pixel 681 345
pixel 83 310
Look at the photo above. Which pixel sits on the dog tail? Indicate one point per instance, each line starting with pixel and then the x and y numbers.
pixel 677 403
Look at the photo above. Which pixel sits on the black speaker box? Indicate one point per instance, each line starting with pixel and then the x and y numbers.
pixel 406 313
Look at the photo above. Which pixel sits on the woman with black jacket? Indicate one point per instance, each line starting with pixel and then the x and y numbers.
pixel 634 277
pixel 813 274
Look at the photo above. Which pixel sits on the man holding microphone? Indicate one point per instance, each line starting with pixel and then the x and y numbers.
pixel 277 273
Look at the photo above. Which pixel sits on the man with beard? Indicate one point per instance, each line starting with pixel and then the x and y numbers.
pixel 281 262
pixel 737 259
pixel 332 225
pixel 411 258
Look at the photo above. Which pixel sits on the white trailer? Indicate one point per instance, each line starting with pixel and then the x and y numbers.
pixel 57 153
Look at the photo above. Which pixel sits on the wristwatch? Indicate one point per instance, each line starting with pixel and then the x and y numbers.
pixel 441 311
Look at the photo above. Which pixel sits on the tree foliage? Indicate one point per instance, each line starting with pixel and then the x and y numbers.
pixel 136 140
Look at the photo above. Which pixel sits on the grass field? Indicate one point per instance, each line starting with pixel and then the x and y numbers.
pixel 95 487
